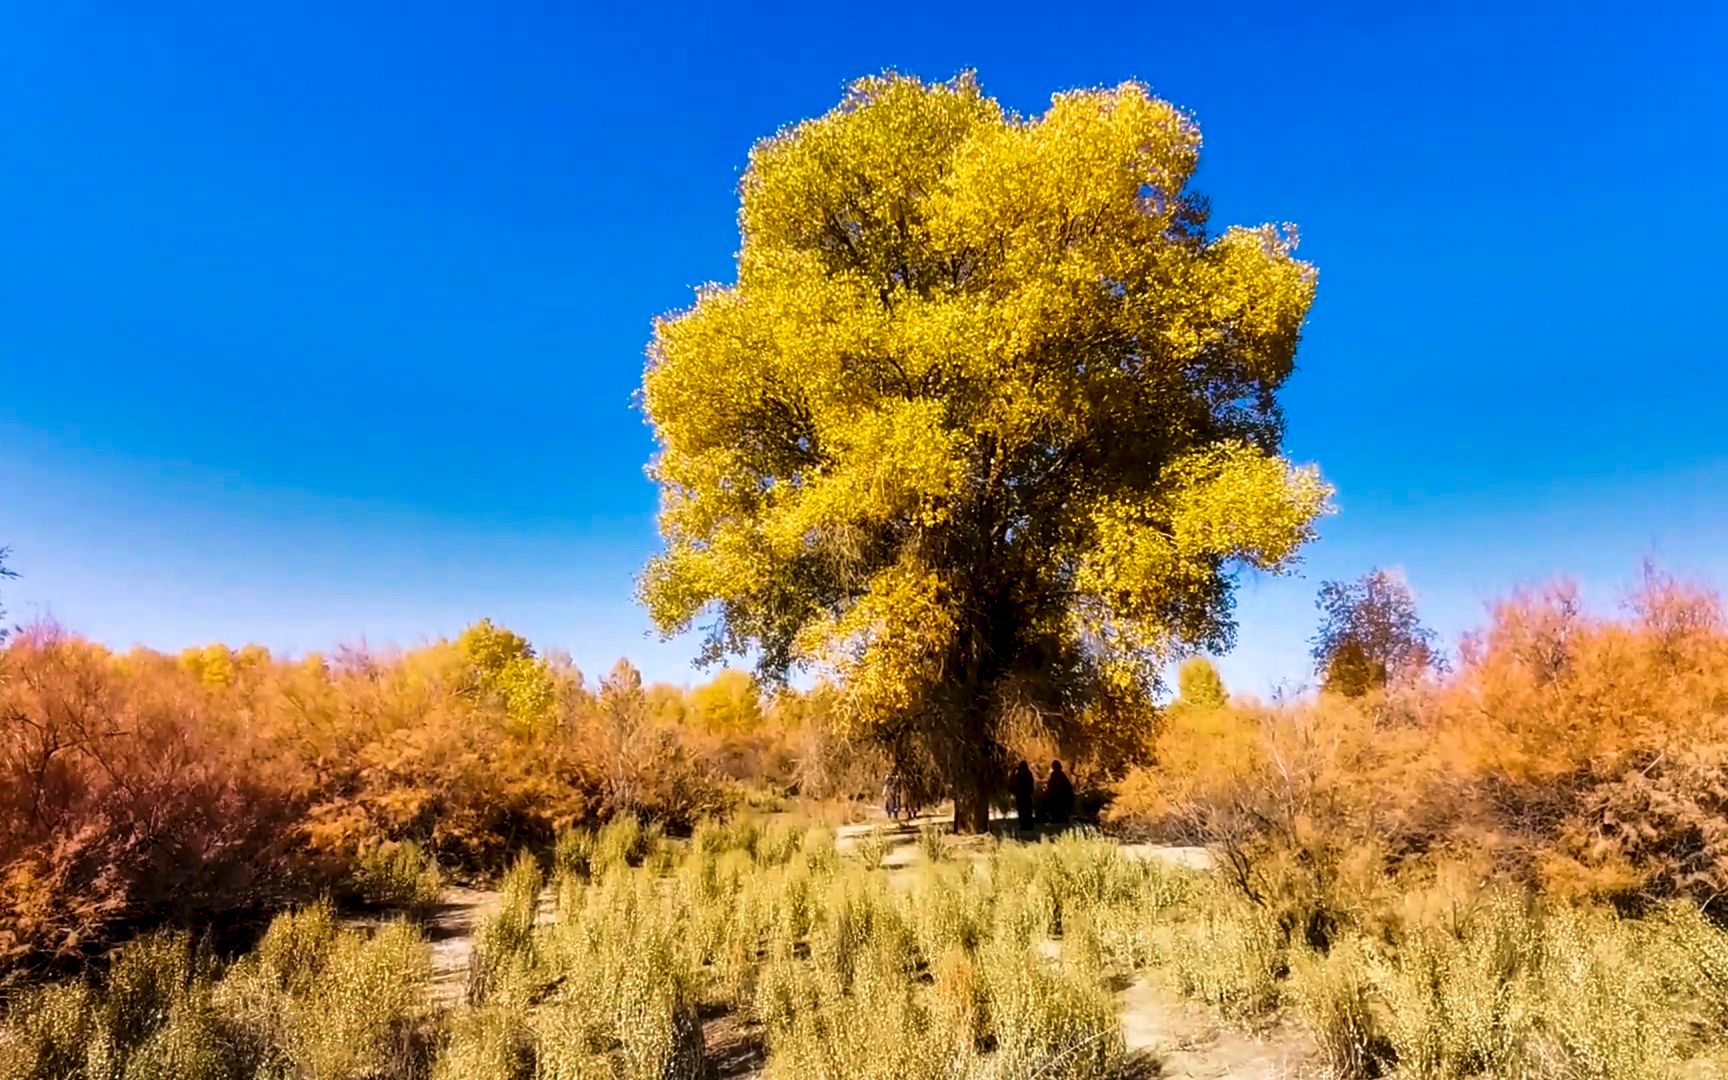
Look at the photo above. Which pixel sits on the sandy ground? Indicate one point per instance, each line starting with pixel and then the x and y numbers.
pixel 450 930
pixel 1189 1040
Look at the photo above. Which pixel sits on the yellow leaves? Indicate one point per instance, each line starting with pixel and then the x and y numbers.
pixel 507 666
pixel 1155 561
pixel 847 184
pixel 212 665
pixel 731 703
pixel 1239 502
pixel 895 463
pixel 887 647
pixel 1090 180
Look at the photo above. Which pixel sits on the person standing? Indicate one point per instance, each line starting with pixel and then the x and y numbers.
pixel 1025 789
pixel 1058 796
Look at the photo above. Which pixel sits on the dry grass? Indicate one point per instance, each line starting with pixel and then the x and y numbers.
pixel 312 1002
pixel 996 968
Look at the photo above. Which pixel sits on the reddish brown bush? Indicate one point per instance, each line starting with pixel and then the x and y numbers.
pixel 124 800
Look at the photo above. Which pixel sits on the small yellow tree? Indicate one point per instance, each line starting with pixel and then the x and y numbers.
pixel 986 421
pixel 729 704
pixel 506 665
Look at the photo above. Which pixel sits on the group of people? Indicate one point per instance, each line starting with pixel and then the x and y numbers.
pixel 1055 808
pixel 897 798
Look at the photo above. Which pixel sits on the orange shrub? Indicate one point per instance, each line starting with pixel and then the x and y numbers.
pixel 1586 751
pixel 215 786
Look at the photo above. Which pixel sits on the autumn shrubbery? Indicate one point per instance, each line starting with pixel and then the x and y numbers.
pixel 1579 752
pixel 1514 867
pixel 214 788
pixel 130 795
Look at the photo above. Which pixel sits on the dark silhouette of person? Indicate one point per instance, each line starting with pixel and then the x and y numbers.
pixel 1058 796
pixel 1025 789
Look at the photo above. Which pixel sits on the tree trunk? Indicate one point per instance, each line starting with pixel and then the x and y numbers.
pixel 972 795
pixel 975 774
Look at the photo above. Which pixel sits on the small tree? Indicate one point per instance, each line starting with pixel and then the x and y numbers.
pixel 729 704
pixel 1369 634
pixel 987 422
pixel 5 572
pixel 1199 686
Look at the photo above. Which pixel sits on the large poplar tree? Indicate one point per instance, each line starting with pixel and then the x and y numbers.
pixel 987 422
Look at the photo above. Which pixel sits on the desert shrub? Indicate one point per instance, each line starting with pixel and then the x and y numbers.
pixel 1458 991
pixel 1698 962
pixel 147 977
pixel 356 1017
pixel 1047 1021
pixel 1231 955
pixel 188 1045
pixel 604 989
pixel 1658 830
pixel 398 875
pixel 216 788
pixel 1334 994
pixel 623 842
pixel 129 796
pixel 958 1005
pixel 494 1043
pixel 295 947
pixel 1200 753
pixel 504 943
pixel 779 844
pixel 948 913
pixel 930 842
pixel 312 1002
pixel 1602 1016
pixel 871 849
pixel 1581 752
pixel 573 852
pixel 48 1032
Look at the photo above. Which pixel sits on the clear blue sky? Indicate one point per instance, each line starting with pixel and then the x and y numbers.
pixel 321 322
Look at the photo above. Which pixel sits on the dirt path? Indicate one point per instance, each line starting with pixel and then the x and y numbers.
pixel 1189 1040
pixel 450 933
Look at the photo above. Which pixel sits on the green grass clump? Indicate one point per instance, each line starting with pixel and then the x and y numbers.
pixel 1232 956
pixel 1334 994
pixel 504 949
pixel 871 849
pixel 930 842
pixel 49 1032
pixel 1046 1020
pixel 492 1043
pixel 573 853
pixel 311 1002
pixel 399 875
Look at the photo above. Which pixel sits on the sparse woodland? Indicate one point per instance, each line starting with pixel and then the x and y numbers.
pixel 977 448
pixel 1510 868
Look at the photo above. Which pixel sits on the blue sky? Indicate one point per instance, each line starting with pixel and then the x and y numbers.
pixel 320 323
